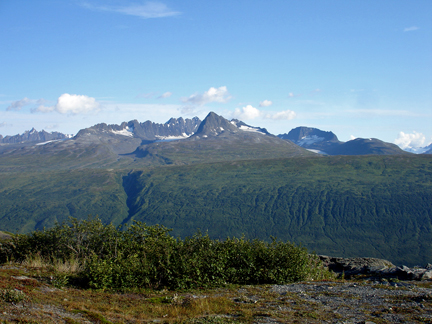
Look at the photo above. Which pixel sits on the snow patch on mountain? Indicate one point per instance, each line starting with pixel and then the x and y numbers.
pixel 47 142
pixel 317 151
pixel 127 131
pixel 250 129
pixel 172 138
pixel 308 140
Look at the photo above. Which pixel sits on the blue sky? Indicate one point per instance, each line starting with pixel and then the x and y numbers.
pixel 359 68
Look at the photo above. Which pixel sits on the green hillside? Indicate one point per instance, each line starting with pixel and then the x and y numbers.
pixel 376 206
pixel 342 206
pixel 35 200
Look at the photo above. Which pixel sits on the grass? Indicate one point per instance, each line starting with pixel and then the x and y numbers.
pixel 234 304
pixel 106 306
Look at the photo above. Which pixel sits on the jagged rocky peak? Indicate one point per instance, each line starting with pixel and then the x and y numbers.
pixel 214 125
pixel 187 126
pixel 147 131
pixel 305 136
pixel 33 136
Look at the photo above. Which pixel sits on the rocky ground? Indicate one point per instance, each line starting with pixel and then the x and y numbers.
pixel 369 296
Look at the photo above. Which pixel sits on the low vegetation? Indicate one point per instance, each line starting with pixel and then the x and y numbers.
pixel 91 254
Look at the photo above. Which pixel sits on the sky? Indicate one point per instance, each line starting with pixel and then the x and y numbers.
pixel 359 68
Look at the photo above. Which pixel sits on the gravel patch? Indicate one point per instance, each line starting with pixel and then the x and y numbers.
pixel 350 302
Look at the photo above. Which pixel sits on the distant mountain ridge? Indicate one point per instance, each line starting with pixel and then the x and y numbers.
pixel 147 131
pixel 312 138
pixel 327 143
pixel 365 146
pixel 428 149
pixel 129 136
pixel 33 136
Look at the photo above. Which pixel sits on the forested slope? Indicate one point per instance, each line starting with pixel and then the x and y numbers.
pixel 344 206
pixel 34 200
pixel 376 206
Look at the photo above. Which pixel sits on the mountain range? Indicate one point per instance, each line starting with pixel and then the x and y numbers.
pixel 327 143
pixel 360 198
pixel 133 135
pixel 33 136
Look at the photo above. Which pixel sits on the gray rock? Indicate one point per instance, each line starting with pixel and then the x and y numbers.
pixel 356 266
pixel 376 268
pixel 427 275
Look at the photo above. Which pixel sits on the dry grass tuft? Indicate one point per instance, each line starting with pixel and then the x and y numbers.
pixel 70 267
pixel 35 261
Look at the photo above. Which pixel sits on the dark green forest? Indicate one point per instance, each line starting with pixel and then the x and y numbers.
pixel 369 206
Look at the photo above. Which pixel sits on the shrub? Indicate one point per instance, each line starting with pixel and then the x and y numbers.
pixel 139 255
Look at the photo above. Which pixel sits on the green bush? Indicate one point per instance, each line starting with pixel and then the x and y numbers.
pixel 138 255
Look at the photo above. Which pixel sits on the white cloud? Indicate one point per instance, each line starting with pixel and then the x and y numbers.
pixel 265 103
pixel 3 124
pixel 412 28
pixel 17 105
pixel 220 94
pixel 246 113
pixel 414 140
pixel 249 112
pixel 291 95
pixel 165 95
pixel 282 115
pixel 71 104
pixel 145 10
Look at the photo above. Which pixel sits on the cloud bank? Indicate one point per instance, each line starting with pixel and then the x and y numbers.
pixel 220 94
pixel 71 104
pixel 146 10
